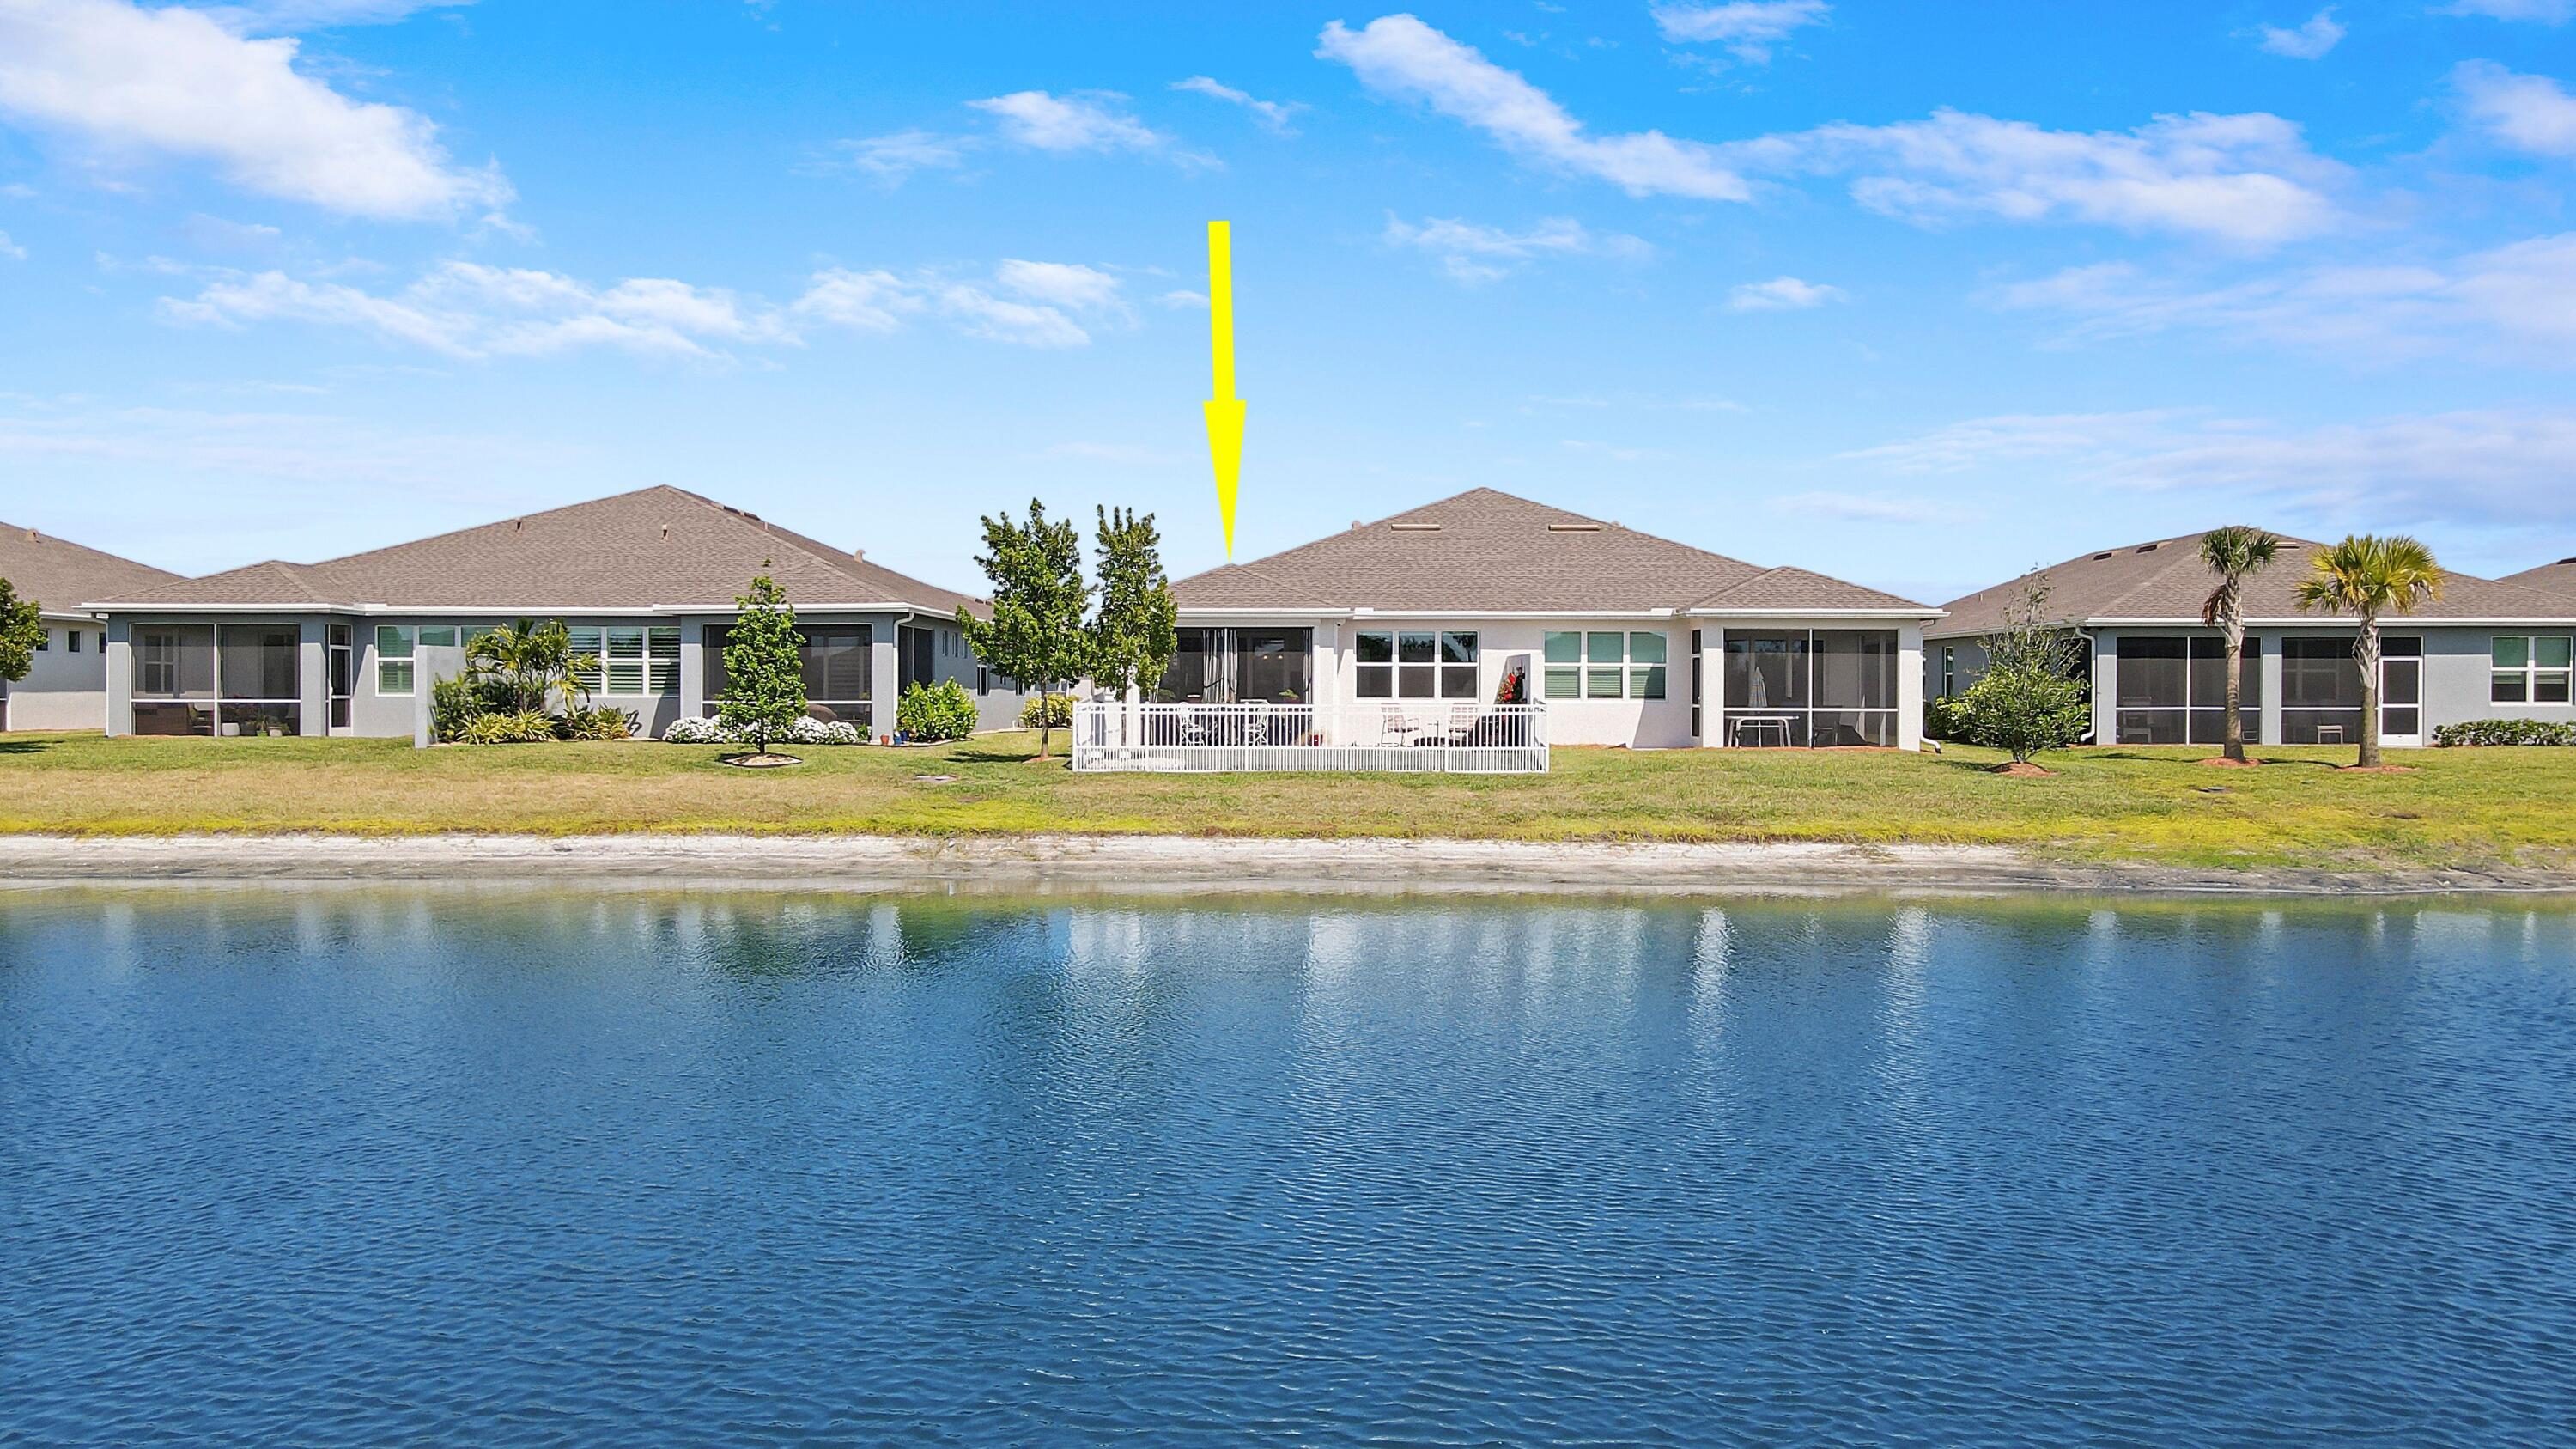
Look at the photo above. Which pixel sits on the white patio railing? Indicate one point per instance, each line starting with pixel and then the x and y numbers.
pixel 1432 735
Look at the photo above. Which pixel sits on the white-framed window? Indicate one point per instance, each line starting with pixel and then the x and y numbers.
pixel 394 647
pixel 2531 668
pixel 634 659
pixel 1418 664
pixel 1605 664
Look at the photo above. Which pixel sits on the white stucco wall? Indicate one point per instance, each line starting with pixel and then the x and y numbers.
pixel 63 690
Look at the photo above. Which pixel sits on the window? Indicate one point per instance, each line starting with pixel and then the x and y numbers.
pixel 343 672
pixel 2530 669
pixel 2321 689
pixel 394 646
pixel 1810 687
pixel 1606 664
pixel 1418 664
pixel 2172 690
pixel 44 640
pixel 633 659
pixel 71 640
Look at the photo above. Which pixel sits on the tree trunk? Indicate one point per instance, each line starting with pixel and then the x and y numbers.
pixel 2365 652
pixel 2235 623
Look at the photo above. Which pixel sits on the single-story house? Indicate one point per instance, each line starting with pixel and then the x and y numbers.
pixel 646 581
pixel 1621 637
pixel 2487 649
pixel 66 683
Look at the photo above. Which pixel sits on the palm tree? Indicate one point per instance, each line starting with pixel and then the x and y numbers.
pixel 530 660
pixel 2365 576
pixel 2234 553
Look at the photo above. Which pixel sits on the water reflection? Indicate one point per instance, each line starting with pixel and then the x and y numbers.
pixel 352 1166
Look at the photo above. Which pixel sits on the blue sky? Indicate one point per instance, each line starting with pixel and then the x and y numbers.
pixel 1919 295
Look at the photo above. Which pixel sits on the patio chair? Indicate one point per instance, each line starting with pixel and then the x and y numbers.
pixel 1256 723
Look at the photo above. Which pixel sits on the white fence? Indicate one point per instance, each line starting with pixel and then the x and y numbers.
pixel 1434 735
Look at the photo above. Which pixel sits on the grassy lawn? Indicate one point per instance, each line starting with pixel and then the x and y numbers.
pixel 2459 807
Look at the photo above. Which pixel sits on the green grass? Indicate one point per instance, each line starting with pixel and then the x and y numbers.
pixel 2458 808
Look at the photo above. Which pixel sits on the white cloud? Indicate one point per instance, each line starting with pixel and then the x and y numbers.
pixel 288 17
pixel 1183 300
pixel 2523 294
pixel 1859 508
pixel 1088 121
pixel 70 440
pixel 861 301
pixel 2245 179
pixel 2528 112
pixel 1749 28
pixel 468 310
pixel 1400 56
pixel 1273 115
pixel 127 82
pixel 896 155
pixel 1061 284
pixel 10 249
pixel 1782 294
pixel 2547 12
pixel 2499 465
pixel 1475 254
pixel 2306 42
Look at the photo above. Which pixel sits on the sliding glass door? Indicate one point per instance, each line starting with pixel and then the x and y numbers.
pixel 1239 666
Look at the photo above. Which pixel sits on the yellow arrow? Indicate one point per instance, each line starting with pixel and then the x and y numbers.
pixel 1224 409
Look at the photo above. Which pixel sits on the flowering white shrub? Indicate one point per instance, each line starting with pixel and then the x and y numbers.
pixel 806 731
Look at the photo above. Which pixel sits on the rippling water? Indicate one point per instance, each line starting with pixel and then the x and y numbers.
pixel 361 1167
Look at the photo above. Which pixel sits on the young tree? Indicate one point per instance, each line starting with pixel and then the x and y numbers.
pixel 1036 633
pixel 2029 699
pixel 1136 631
pixel 764 666
pixel 2234 553
pixel 2366 577
pixel 22 628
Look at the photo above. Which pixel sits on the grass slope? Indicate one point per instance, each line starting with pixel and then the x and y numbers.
pixel 2457 808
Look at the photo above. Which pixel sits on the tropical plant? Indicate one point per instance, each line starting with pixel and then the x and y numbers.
pixel 942 711
pixel 1036 634
pixel 2030 698
pixel 764 666
pixel 2367 576
pixel 599 722
pixel 518 727
pixel 528 660
pixel 2234 553
pixel 1135 631
pixel 1047 711
pixel 22 628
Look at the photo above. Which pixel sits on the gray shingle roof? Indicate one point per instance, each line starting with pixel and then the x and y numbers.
pixel 633 550
pixel 61 575
pixel 2557 578
pixel 1485 551
pixel 2165 580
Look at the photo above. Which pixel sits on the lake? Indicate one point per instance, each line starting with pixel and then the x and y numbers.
pixel 501 1166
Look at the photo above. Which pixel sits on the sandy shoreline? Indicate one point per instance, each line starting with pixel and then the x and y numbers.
pixel 1152 864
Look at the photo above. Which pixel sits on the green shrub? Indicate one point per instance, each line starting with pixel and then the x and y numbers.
pixel 1945 717
pixel 2023 711
pixel 943 711
pixel 458 702
pixel 599 722
pixel 520 728
pixel 1047 711
pixel 2505 732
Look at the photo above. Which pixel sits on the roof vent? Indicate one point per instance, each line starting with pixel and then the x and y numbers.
pixel 1415 527
pixel 666 531
pixel 2149 547
pixel 858 555
pixel 2097 558
pixel 1574 528
pixel 518 523
pixel 1356 524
